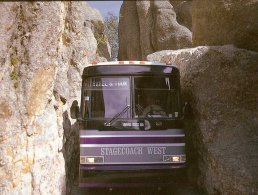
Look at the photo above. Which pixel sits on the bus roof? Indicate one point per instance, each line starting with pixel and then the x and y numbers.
pixel 129 68
pixel 129 62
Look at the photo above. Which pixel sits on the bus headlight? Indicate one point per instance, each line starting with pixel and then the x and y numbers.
pixel 91 159
pixel 174 158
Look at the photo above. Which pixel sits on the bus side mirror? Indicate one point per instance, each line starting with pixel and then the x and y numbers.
pixel 74 110
pixel 187 110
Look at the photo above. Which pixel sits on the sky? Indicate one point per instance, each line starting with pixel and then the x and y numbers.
pixel 106 6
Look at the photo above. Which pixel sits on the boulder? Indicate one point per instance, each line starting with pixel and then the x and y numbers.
pixel 129 32
pixel 145 18
pixel 226 22
pixel 183 11
pixel 148 26
pixel 94 20
pixel 221 84
pixel 44 47
pixel 166 32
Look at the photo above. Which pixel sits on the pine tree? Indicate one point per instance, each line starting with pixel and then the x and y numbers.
pixel 111 31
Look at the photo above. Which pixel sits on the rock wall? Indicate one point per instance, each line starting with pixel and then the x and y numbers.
pixel 226 22
pixel 149 26
pixel 183 11
pixel 129 33
pixel 221 84
pixel 43 48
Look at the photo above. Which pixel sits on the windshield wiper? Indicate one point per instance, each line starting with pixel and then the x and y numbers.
pixel 139 108
pixel 109 123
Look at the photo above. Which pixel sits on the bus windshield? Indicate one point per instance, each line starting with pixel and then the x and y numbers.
pixel 131 97
pixel 106 96
pixel 156 97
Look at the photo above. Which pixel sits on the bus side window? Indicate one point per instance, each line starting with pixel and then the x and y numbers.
pixel 97 104
pixel 86 105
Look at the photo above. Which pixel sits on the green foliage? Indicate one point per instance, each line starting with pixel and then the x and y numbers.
pixel 101 38
pixel 14 60
pixel 14 76
pixel 111 31
pixel 98 33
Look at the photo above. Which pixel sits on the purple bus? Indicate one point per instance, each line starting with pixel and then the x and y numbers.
pixel 131 126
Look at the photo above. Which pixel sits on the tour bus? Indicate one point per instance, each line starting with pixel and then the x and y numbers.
pixel 131 124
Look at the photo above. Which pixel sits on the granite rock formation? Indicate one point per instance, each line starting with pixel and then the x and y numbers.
pixel 129 33
pixel 149 26
pixel 221 84
pixel 226 22
pixel 183 11
pixel 43 49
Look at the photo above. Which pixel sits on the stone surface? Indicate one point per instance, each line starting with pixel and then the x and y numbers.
pixel 94 20
pixel 226 22
pixel 183 11
pixel 149 26
pixel 43 49
pixel 221 84
pixel 129 32
pixel 167 33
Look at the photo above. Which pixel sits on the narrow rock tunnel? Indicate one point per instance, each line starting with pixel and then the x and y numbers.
pixel 45 46
pixel 179 182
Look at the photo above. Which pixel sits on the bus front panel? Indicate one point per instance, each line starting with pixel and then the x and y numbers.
pixel 131 123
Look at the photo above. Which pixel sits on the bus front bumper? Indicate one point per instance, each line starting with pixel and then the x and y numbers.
pixel 130 176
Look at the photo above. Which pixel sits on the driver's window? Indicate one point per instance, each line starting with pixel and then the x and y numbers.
pixel 150 97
